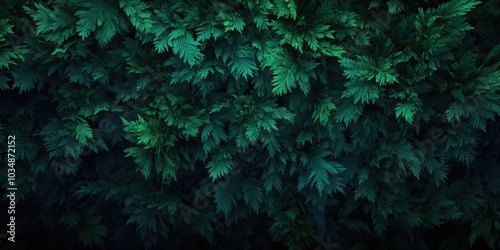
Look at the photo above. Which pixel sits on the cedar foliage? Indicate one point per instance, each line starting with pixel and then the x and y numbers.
pixel 372 123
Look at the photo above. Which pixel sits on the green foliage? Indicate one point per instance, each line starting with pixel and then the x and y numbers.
pixel 139 14
pixel 101 18
pixel 488 227
pixel 92 231
pixel 254 124
pixel 10 53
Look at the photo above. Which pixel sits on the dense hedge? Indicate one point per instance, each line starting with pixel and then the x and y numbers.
pixel 251 124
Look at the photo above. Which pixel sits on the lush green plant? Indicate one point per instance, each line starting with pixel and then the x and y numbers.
pixel 253 124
